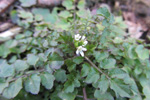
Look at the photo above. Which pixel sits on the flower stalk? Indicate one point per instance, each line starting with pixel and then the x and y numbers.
pixel 96 67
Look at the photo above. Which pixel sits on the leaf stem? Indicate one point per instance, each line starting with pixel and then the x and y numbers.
pixel 96 67
pixel 25 75
pixel 84 94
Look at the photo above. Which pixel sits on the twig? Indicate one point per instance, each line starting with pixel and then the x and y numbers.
pixel 5 4
pixel 84 94
pixel 5 26
pixel 96 67
pixel 10 33
pixel 23 76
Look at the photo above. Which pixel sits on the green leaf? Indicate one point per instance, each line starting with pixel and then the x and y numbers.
pixel 40 11
pixel 67 96
pixel 105 33
pixel 108 23
pixel 120 23
pixel 116 30
pixel 4 51
pixel 100 96
pixel 104 12
pixel 108 63
pixel 81 4
pixel 32 84
pixel 138 70
pixel 103 84
pixel 136 97
pixel 54 95
pixel 47 80
pixel 145 86
pixel 92 77
pixel 118 40
pixel 3 86
pixel 28 3
pixel 76 83
pixel 50 18
pixel 53 43
pixel 133 86
pixel 68 4
pixel 63 24
pixel 100 56
pixel 13 89
pixel 14 16
pixel 84 13
pixel 6 70
pixel 120 88
pixel 55 61
pixel 65 14
pixel 38 17
pixel 48 69
pixel 85 69
pixel 69 87
pixel 56 64
pixel 131 52
pixel 20 65
pixel 60 76
pixel 45 13
pixel 32 59
pixel 117 73
pixel 26 15
pixel 71 66
pixel 142 52
pixel 42 57
pixel 78 60
pixel 45 44
pixel 71 83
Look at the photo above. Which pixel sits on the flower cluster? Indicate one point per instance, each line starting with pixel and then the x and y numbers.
pixel 80 43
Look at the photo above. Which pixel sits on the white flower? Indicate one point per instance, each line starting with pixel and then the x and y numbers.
pixel 83 37
pixel 85 43
pixel 80 50
pixel 77 37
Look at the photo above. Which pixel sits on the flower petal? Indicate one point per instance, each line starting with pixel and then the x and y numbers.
pixel 82 53
pixel 83 37
pixel 77 52
pixel 84 49
pixel 85 43
pixel 77 37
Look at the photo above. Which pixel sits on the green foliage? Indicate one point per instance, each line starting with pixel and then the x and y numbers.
pixel 101 96
pixel 20 65
pixel 43 59
pixel 6 70
pixel 60 76
pixel 32 84
pixel 141 52
pixel 13 89
pixel 47 80
pixel 28 3
pixel 32 59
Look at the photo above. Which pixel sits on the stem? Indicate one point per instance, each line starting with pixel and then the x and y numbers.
pixel 74 16
pixel 96 67
pixel 84 94
pixel 23 76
